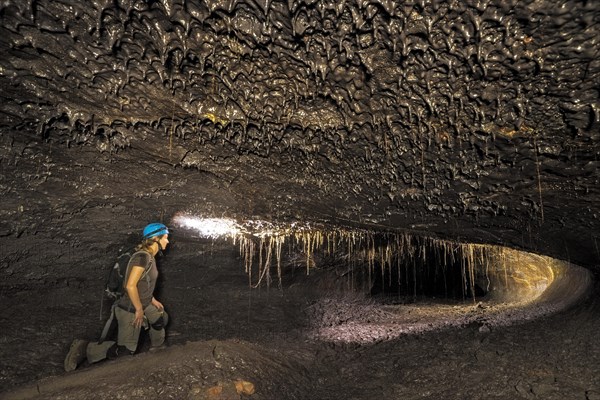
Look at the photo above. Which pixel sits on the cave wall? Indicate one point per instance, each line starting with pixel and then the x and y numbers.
pixel 474 121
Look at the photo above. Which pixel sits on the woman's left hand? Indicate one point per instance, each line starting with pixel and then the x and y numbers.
pixel 157 304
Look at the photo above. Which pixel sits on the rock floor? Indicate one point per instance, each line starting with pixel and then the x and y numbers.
pixel 221 333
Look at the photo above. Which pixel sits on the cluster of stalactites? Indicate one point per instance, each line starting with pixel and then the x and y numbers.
pixel 437 67
pixel 374 253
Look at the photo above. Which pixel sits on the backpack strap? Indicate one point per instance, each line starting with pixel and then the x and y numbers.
pixel 146 270
pixel 109 322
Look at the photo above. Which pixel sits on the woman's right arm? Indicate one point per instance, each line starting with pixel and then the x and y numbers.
pixel 131 286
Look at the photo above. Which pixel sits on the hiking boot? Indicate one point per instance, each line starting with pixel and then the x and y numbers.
pixel 76 354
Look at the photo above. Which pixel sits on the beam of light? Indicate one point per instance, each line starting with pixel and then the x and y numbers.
pixel 227 227
pixel 209 227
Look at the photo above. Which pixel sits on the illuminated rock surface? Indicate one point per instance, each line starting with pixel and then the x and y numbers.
pixel 467 121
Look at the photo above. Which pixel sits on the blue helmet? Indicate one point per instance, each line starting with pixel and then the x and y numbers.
pixel 155 229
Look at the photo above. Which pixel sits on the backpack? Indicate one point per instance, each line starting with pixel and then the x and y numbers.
pixel 115 281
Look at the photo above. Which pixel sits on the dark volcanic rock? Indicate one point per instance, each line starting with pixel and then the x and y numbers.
pixel 472 120
pixel 446 117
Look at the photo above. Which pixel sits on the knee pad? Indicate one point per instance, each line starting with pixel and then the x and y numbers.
pixel 158 324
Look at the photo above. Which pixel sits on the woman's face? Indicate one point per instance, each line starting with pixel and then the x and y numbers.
pixel 163 242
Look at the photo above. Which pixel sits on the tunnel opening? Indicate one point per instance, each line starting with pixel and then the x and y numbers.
pixel 426 272
pixel 381 265
pixel 368 286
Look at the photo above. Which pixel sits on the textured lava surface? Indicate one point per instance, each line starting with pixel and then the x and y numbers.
pixel 474 120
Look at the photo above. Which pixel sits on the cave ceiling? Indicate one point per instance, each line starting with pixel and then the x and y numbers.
pixel 476 119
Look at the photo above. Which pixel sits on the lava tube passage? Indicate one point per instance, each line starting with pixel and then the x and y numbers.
pixel 375 286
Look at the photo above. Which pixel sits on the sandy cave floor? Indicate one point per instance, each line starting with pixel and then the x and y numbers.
pixel 221 332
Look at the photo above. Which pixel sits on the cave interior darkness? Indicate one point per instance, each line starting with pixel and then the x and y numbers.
pixel 364 124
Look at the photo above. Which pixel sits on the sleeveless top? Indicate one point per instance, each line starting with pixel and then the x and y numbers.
pixel 147 282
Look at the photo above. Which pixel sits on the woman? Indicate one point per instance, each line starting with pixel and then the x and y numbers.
pixel 135 309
